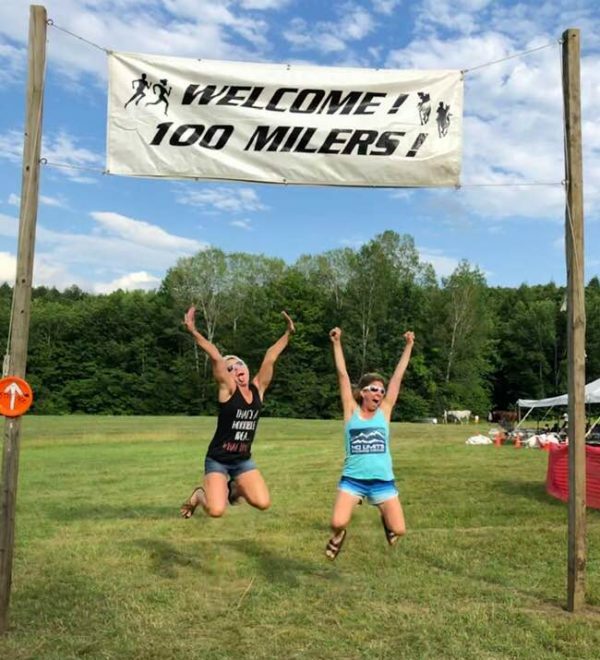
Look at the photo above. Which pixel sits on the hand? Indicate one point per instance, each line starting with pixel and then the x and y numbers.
pixel 291 328
pixel 189 320
pixel 335 335
pixel 410 337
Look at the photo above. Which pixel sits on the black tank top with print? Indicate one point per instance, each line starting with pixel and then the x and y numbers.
pixel 236 426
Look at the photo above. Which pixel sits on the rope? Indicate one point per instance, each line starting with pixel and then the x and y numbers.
pixel 513 184
pixel 51 23
pixel 510 57
pixel 66 166
pixel 510 184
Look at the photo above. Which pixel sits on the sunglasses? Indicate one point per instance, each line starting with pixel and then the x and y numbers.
pixel 374 389
pixel 235 365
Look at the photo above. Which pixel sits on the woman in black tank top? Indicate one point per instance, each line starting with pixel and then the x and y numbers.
pixel 229 471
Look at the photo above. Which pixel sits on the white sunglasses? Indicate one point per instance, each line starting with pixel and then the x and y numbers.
pixel 239 363
pixel 374 389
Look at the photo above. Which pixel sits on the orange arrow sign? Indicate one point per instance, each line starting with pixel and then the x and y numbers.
pixel 16 396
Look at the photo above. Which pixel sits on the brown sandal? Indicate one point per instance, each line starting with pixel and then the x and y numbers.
pixel 188 507
pixel 390 537
pixel 233 495
pixel 334 545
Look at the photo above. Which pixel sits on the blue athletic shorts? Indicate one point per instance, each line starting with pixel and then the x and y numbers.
pixel 231 470
pixel 375 491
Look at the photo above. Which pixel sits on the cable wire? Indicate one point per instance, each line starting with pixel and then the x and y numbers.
pixel 67 166
pixel 511 57
pixel 51 23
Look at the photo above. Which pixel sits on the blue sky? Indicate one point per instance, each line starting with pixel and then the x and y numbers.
pixel 105 232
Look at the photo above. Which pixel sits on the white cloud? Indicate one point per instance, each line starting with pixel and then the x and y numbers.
pixel 264 4
pixel 443 265
pixel 354 24
pixel 8 267
pixel 142 233
pixel 513 128
pixel 386 7
pixel 242 224
pixel 59 149
pixel 354 242
pixel 129 282
pixel 62 150
pixel 12 63
pixel 460 15
pixel 223 199
pixel 15 200
pixel 219 29
pixel 11 146
pixel 53 201
pixel 9 226
pixel 118 246
pixel 402 193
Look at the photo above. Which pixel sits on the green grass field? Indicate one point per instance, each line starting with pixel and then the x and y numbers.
pixel 105 568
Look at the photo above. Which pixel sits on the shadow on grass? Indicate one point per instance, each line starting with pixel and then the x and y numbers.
pixel 532 490
pixel 90 511
pixel 165 558
pixel 279 568
pixel 535 490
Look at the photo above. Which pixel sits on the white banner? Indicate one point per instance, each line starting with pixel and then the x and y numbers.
pixel 276 123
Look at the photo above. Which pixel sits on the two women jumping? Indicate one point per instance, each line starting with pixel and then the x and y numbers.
pixel 231 474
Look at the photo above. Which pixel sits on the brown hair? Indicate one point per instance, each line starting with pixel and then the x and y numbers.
pixel 366 379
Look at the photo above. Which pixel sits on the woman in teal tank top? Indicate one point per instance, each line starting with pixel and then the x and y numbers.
pixel 367 472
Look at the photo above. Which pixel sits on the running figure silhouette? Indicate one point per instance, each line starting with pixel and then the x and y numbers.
pixel 140 91
pixel 443 119
pixel 161 91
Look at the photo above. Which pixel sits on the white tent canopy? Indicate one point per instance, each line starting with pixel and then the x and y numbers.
pixel 592 395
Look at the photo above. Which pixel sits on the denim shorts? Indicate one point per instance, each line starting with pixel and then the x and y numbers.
pixel 375 491
pixel 231 470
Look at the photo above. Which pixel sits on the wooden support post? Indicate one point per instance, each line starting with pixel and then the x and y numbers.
pixel 22 293
pixel 575 321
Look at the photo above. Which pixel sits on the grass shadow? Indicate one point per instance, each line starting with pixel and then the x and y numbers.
pixel 279 568
pixel 88 511
pixel 534 490
pixel 165 558
pixel 531 490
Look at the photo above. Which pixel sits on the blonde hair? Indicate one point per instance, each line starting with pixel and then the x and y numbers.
pixel 233 357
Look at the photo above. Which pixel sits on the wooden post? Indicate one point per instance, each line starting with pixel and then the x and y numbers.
pixel 19 336
pixel 575 321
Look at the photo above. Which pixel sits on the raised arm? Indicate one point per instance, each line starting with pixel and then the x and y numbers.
pixel 263 378
pixel 393 389
pixel 219 368
pixel 348 402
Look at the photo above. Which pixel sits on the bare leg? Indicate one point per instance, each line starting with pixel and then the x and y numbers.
pixel 342 513
pixel 215 487
pixel 393 519
pixel 342 510
pixel 252 487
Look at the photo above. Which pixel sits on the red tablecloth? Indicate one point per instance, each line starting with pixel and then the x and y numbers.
pixel 557 477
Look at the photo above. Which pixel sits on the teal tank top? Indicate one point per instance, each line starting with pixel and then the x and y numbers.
pixel 368 448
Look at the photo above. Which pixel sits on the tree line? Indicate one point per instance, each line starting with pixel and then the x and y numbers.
pixel 477 347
